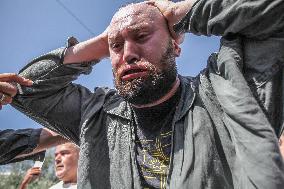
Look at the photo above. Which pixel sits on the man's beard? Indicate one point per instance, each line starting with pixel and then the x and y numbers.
pixel 152 87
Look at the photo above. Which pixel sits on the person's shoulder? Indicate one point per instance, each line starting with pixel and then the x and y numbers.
pixel 57 186
pixel 200 81
pixel 193 82
pixel 187 79
pixel 110 94
pixel 105 91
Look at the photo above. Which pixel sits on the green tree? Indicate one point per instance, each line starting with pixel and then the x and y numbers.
pixel 12 175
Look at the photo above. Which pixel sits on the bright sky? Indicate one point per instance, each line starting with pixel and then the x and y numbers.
pixel 32 27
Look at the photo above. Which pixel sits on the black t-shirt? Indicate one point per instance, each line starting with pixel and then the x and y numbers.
pixel 153 142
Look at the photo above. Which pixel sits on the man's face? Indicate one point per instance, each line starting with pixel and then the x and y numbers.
pixel 281 145
pixel 142 54
pixel 66 162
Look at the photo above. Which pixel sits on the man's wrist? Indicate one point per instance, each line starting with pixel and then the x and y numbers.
pixel 90 50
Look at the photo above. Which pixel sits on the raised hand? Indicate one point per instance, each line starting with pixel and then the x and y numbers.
pixel 32 174
pixel 173 13
pixel 95 48
pixel 7 86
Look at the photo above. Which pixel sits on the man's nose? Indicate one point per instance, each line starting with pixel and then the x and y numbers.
pixel 57 159
pixel 130 52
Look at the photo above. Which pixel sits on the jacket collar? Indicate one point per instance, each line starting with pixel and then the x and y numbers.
pixel 187 96
pixel 119 107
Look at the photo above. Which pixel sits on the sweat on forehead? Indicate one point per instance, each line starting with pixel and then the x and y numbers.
pixel 136 9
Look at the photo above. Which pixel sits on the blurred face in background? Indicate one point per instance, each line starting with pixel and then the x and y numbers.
pixel 281 145
pixel 66 162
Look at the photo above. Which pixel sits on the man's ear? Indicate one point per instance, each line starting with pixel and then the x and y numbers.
pixel 177 48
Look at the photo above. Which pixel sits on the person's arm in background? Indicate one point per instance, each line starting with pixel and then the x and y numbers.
pixel 16 142
pixel 26 144
pixel 32 174
pixel 47 139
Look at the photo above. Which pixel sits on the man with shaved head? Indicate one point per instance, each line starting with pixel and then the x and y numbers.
pixel 159 129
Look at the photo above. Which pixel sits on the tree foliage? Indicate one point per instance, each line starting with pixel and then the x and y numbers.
pixel 12 175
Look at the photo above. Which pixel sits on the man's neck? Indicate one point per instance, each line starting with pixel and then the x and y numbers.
pixel 70 182
pixel 164 98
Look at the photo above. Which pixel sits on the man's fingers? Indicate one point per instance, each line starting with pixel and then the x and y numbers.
pixel 36 170
pixel 35 173
pixel 5 99
pixel 168 10
pixel 162 5
pixel 12 77
pixel 179 38
pixel 8 89
pixel 173 13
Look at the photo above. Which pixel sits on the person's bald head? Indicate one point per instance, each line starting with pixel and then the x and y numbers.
pixel 138 8
pixel 69 145
pixel 137 13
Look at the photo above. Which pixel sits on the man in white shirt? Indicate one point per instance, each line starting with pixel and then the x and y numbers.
pixel 66 164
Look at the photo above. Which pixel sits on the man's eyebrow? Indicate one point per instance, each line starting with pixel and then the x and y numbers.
pixel 62 151
pixel 114 37
pixel 139 27
pixel 134 29
pixel 65 151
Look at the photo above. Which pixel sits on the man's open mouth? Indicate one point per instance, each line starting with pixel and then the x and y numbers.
pixel 133 72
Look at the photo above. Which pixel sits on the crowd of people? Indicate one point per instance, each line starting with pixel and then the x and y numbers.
pixel 158 129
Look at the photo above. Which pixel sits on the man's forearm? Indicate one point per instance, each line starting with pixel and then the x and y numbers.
pixel 47 140
pixel 255 19
pixel 93 49
pixel 23 185
pixel 14 143
pixel 52 82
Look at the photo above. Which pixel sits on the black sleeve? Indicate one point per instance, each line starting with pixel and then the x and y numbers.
pixel 53 100
pixel 18 142
pixel 253 19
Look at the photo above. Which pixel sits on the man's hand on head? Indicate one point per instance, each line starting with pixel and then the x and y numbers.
pixel 173 13
pixel 7 86
pixel 104 37
pixel 94 49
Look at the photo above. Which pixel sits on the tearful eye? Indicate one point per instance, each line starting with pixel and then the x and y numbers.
pixel 141 37
pixel 116 46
